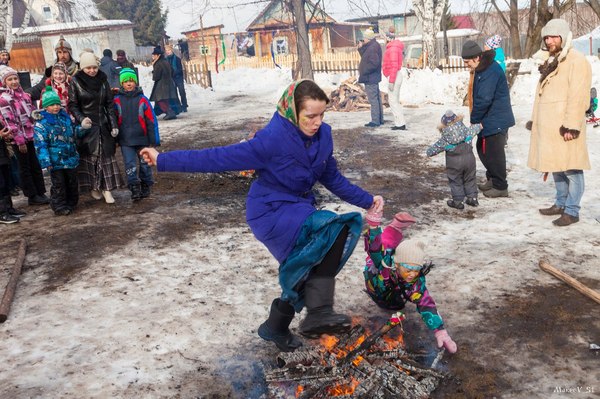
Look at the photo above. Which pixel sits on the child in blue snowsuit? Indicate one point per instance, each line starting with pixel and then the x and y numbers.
pixel 137 129
pixel 54 140
pixel 460 161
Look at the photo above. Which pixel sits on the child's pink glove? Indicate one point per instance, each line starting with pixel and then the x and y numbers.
pixel 443 339
pixel 374 218
pixel 401 221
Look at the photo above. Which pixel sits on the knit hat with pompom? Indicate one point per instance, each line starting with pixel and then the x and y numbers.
pixel 50 97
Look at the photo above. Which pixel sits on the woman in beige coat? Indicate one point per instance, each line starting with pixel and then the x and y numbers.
pixel 558 129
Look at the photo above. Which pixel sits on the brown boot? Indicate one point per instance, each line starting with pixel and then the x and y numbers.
pixel 565 219
pixel 485 186
pixel 495 193
pixel 553 210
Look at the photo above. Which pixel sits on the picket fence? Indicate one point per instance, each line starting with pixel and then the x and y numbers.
pixel 196 71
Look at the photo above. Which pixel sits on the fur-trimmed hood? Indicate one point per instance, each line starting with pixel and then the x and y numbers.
pixel 459 118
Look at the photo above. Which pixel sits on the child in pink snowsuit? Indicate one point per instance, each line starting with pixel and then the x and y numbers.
pixel 395 273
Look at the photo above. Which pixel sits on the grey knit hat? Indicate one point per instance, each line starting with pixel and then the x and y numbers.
pixel 470 50
pixel 556 27
pixel 411 252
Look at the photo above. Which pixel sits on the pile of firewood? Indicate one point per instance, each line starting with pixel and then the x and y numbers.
pixel 351 97
pixel 377 372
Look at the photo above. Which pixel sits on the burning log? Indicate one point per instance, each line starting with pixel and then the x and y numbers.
pixel 353 366
pixel 304 357
pixel 11 287
pixel 393 322
pixel 564 277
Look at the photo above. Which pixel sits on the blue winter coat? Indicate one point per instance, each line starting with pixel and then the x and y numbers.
pixel 491 97
pixel 136 119
pixel 281 199
pixel 54 139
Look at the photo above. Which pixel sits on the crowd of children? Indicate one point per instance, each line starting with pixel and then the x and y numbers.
pixel 49 139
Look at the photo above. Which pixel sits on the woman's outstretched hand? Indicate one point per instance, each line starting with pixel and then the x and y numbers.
pixel 377 204
pixel 150 155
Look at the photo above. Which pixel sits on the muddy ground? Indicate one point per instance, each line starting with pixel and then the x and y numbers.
pixel 539 320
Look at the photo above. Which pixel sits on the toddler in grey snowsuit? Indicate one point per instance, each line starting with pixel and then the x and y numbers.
pixel 460 162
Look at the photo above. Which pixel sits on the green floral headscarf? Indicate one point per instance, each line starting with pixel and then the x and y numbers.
pixel 286 106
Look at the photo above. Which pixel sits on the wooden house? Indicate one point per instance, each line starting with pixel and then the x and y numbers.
pixel 38 25
pixel 405 24
pixel 273 28
pixel 203 41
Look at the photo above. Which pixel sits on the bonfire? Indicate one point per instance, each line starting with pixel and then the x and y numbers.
pixel 354 365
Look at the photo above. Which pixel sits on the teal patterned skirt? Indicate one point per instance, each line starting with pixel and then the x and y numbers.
pixel 317 235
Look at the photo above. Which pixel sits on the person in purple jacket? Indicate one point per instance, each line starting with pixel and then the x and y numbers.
pixel 292 153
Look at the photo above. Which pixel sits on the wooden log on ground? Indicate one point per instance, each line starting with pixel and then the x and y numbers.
pixel 548 268
pixel 11 287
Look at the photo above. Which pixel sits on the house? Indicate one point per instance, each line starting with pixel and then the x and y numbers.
pixel 274 27
pixel 405 24
pixel 37 26
pixel 204 41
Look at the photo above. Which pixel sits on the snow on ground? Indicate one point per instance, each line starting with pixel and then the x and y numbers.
pixel 138 322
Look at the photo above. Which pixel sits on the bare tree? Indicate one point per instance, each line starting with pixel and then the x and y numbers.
pixel 539 13
pixel 6 18
pixel 429 12
pixel 303 69
pixel 595 5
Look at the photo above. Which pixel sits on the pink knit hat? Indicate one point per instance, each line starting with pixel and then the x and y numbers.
pixel 494 41
pixel 5 72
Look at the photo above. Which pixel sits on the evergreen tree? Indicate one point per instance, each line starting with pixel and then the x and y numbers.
pixel 146 15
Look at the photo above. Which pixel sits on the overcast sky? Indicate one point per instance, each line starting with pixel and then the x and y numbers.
pixel 236 15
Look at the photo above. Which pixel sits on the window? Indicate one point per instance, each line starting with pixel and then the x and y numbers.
pixel 400 25
pixel 280 45
pixel 47 12
pixel 204 50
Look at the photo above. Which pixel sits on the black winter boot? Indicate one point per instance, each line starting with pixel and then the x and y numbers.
pixel 12 211
pixel 136 192
pixel 145 190
pixel 5 217
pixel 320 317
pixel 276 330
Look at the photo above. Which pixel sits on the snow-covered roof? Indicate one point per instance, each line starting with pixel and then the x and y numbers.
pixel 69 26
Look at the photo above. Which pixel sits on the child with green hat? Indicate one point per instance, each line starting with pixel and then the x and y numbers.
pixel 55 145
pixel 138 128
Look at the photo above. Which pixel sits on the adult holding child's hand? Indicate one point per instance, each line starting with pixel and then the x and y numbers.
pixel 150 155
pixel 291 154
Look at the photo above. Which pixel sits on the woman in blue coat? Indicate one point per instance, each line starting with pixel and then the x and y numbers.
pixel 292 153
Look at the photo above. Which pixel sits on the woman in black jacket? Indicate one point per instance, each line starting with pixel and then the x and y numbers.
pixel 164 92
pixel 90 98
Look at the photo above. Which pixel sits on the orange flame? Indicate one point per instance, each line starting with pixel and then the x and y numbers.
pixel 299 390
pixel 358 360
pixel 329 341
pixel 343 389
pixel 393 343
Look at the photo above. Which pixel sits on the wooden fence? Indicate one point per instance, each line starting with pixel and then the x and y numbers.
pixel 330 63
pixel 453 64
